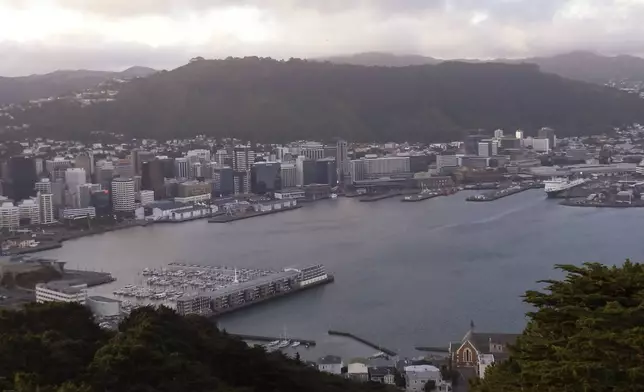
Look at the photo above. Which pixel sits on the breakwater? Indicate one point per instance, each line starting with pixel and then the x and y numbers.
pixel 363 341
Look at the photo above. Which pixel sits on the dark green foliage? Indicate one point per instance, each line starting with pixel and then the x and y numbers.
pixel 586 334
pixel 57 348
pixel 265 100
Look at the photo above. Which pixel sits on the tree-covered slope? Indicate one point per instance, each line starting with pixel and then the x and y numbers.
pixel 586 334
pixel 58 348
pixel 268 100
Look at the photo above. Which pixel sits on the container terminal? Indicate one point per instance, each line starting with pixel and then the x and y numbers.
pixel 240 295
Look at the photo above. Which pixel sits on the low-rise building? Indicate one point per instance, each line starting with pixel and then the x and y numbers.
pixel 273 205
pixel 103 306
pixel 357 370
pixel 293 193
pixel 417 376
pixel 382 374
pixel 330 364
pixel 78 213
pixel 61 291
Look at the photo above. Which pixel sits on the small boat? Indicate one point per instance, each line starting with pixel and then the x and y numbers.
pixel 295 344
pixel 273 343
pixel 284 343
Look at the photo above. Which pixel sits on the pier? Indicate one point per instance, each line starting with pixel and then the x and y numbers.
pixel 363 341
pixel 420 197
pixel 305 342
pixel 492 196
pixel 247 215
pixel 389 195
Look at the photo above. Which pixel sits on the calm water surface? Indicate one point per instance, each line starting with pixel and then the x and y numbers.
pixel 407 274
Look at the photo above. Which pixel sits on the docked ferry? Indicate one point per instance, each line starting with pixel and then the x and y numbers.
pixel 556 186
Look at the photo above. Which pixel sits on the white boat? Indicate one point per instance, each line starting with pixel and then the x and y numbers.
pixel 295 344
pixel 283 344
pixel 334 196
pixel 273 343
pixel 557 185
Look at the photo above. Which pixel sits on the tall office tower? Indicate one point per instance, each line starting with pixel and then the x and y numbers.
pixel 139 156
pixel 548 133
pixel 240 182
pixel 202 155
pixel 9 216
pixel 40 166
pixel 182 168
pixel 222 157
pixel 104 174
pixel 56 167
pixel 100 200
pixel 29 211
pixel 23 177
pixel 74 178
pixel 342 160
pixel 168 166
pixel 498 134
pixel 224 183
pixel 207 170
pixel 197 170
pixel 123 168
pixel 152 178
pixel 85 194
pixel 266 177
pixel 519 134
pixel 325 172
pixel 58 192
pixel 43 186
pixel 289 175
pixel 243 158
pixel 46 208
pixel 123 196
pixel 84 161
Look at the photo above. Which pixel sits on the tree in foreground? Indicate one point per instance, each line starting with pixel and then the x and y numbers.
pixel 586 334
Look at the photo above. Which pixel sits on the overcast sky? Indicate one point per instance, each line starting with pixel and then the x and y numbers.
pixel 39 36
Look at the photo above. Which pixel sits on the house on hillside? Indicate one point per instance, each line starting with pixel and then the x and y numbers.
pixel 330 364
pixel 357 370
pixel 478 350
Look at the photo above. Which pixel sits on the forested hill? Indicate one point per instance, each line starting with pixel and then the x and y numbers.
pixel 59 348
pixel 269 100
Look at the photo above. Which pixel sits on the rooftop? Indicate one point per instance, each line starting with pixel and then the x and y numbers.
pixel 99 298
pixel 65 287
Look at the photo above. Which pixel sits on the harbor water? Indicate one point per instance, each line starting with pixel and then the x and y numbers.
pixel 406 274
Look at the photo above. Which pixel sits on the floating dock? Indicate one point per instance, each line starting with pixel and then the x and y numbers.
pixel 305 342
pixel 247 215
pixel 364 341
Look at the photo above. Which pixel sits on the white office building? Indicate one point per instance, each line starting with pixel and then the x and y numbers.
pixel 61 292
pixel 30 211
pixel 46 205
pixel 201 154
pixel 182 168
pixel 123 195
pixel 43 186
pixel 519 134
pixel 243 159
pixel 372 168
pixel 146 197
pixel 9 216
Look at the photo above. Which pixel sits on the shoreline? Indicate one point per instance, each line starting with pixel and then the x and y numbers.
pixel 600 205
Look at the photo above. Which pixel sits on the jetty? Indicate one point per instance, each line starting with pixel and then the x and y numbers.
pixel 247 215
pixel 256 338
pixel 492 196
pixel 364 341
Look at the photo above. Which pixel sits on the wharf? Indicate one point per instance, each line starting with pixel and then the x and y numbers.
pixel 363 341
pixel 194 218
pixel 305 342
pixel 584 203
pixel 492 196
pixel 382 196
pixel 247 215
pixel 420 197
pixel 217 313
pixel 91 278
pixel 41 247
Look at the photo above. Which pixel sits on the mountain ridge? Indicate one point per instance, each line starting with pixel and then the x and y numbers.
pixel 266 100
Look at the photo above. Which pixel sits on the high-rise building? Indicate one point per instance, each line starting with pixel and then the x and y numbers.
pixel 9 216
pixel 84 161
pixel 43 186
pixel 222 157
pixel 266 177
pixel 243 158
pixel 58 192
pixel 104 174
pixel 224 183
pixel 40 166
pixel 46 208
pixel 29 211
pixel 56 167
pixel 123 195
pixel 123 168
pixel 240 182
pixel 182 168
pixel 373 168
pixel 138 157
pixel 325 172
pixel 85 194
pixel 548 133
pixel 74 177
pixel 498 134
pixel 312 150
pixel 202 155
pixel 152 178
pixel 100 200
pixel 519 134
pixel 342 159
pixel 197 170
pixel 289 175
pixel 23 177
